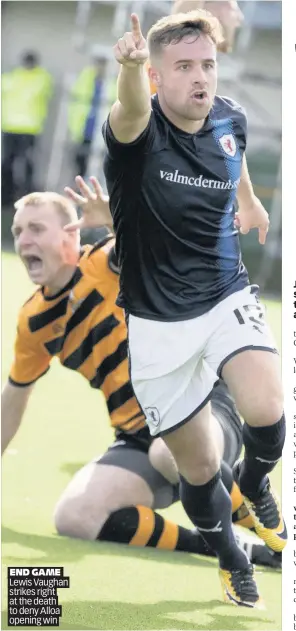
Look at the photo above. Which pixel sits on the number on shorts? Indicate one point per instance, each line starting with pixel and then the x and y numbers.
pixel 258 321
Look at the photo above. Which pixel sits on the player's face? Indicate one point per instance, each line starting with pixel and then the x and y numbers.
pixel 188 78
pixel 42 244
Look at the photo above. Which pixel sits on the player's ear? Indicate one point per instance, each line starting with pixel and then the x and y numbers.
pixel 154 77
pixel 70 248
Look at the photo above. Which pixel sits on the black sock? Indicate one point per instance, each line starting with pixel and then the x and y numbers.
pixel 263 449
pixel 209 508
pixel 141 526
pixel 227 477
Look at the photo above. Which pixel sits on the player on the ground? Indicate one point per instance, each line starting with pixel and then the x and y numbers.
pixel 192 313
pixel 73 316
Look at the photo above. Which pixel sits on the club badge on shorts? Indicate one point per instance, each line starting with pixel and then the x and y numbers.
pixel 228 144
pixel 153 416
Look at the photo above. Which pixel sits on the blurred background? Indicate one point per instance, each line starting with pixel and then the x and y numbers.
pixel 58 80
pixel 51 123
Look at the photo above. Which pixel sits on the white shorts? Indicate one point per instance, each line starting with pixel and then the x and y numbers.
pixel 174 365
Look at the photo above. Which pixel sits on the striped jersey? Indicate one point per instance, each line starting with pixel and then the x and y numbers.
pixel 86 330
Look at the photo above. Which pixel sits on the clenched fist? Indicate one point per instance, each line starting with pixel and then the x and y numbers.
pixel 131 50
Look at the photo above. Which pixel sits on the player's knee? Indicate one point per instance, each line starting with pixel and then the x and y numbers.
pixel 274 411
pixel 201 471
pixel 73 518
pixel 266 411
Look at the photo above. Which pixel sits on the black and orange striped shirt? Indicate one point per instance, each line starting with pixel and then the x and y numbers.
pixel 86 330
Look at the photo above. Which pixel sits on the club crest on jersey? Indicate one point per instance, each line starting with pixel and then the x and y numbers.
pixel 228 144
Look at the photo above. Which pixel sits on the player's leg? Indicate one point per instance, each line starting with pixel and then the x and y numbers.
pixel 227 431
pixel 28 152
pixel 228 442
pixel 207 503
pixel 82 154
pixel 93 494
pixel 7 168
pixel 227 418
pixel 264 435
pixel 242 350
pixel 173 386
pixel 226 414
pixel 113 499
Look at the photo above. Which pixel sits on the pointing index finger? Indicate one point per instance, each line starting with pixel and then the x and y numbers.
pixel 136 27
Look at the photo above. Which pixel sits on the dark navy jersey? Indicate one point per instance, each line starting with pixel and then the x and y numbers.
pixel 172 199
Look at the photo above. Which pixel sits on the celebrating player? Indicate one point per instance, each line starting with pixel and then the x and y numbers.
pixel 192 313
pixel 73 316
pixel 227 12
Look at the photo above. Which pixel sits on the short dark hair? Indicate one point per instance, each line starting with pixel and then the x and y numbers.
pixel 173 28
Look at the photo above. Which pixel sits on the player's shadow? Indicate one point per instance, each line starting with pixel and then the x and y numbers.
pixel 56 549
pixel 115 615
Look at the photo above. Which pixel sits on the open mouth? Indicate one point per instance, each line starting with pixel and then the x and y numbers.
pixel 32 262
pixel 199 95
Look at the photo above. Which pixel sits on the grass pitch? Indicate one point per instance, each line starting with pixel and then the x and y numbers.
pixel 111 586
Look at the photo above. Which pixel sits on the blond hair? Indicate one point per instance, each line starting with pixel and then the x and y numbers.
pixel 63 206
pixel 173 28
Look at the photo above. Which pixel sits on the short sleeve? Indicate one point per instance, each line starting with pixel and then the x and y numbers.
pixel 102 257
pixel 30 359
pixel 119 150
pixel 237 114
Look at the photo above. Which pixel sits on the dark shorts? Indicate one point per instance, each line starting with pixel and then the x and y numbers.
pixel 131 452
pixel 224 409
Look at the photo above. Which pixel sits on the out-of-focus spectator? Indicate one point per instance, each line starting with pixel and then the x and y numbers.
pixel 227 12
pixel 86 100
pixel 26 91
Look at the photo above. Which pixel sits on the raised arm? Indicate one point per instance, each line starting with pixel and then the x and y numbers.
pixel 93 203
pixel 130 114
pixel 13 404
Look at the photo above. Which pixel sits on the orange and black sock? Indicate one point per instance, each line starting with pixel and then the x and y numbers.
pixel 240 513
pixel 141 526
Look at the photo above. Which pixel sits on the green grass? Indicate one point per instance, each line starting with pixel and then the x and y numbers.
pixel 112 587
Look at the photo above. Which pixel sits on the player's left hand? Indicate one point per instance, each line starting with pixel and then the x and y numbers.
pixel 93 203
pixel 253 216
